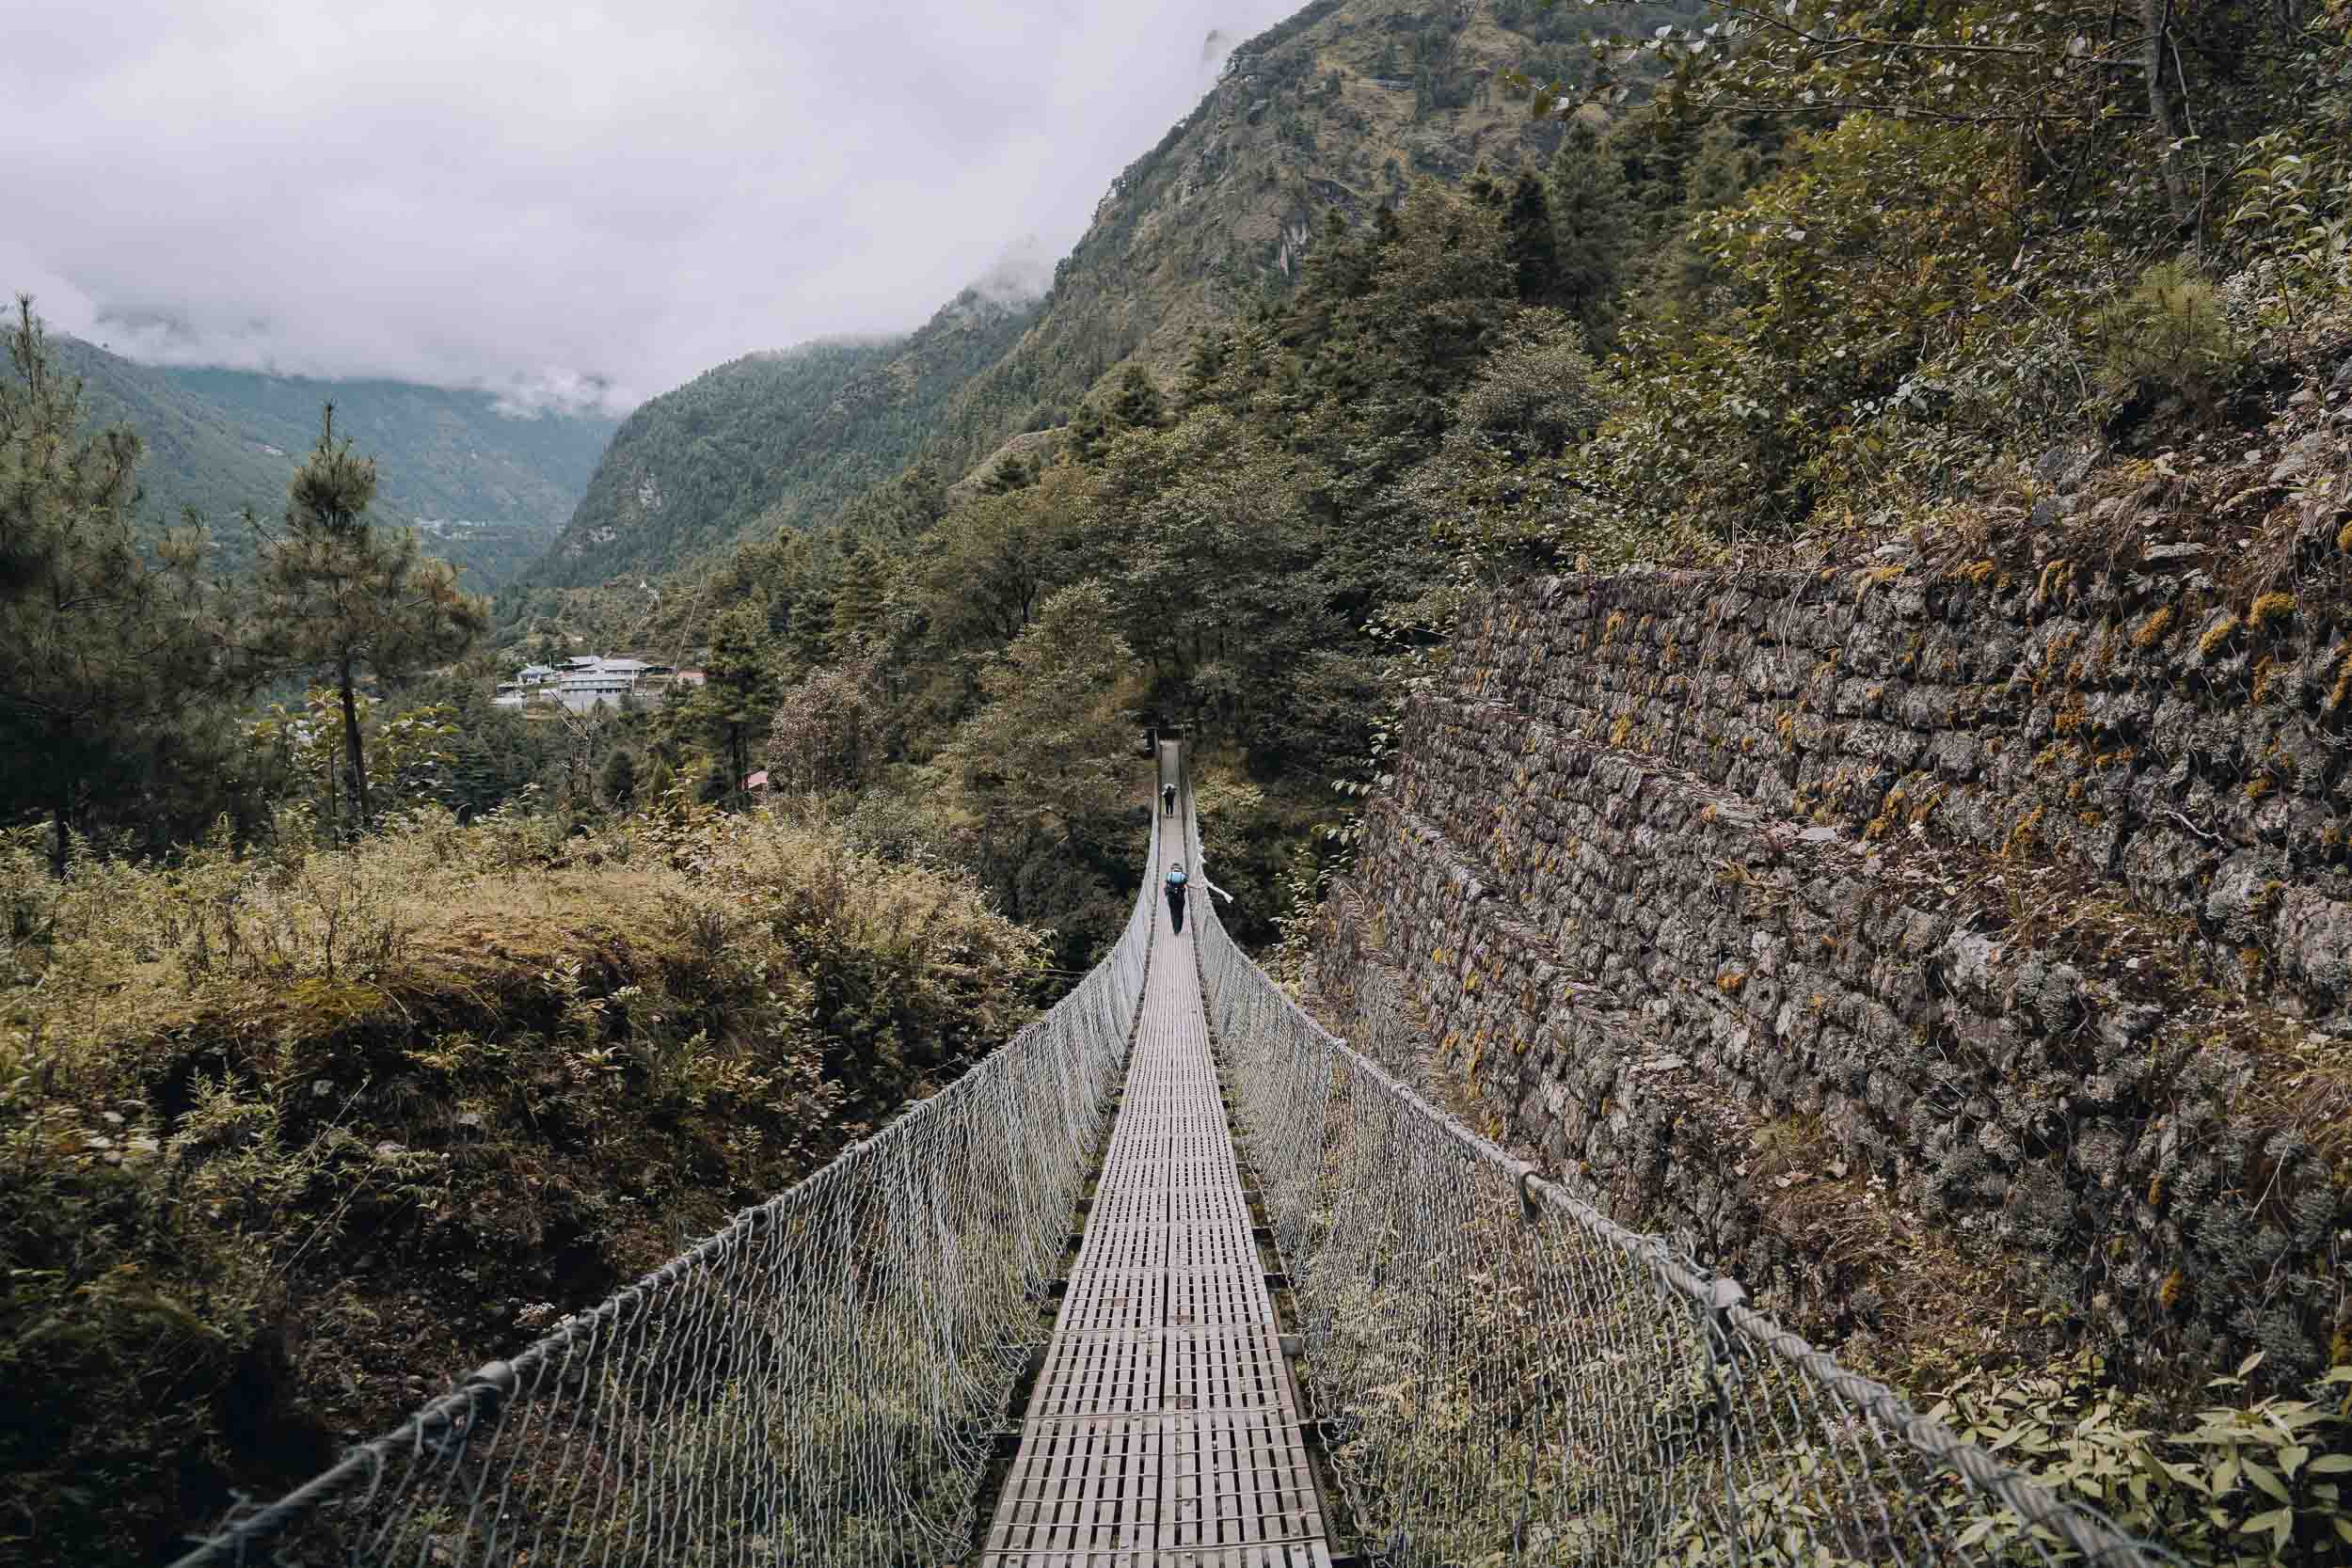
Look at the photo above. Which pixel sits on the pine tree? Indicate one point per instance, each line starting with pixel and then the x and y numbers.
pixel 737 697
pixel 341 596
pixel 1089 435
pixel 858 604
pixel 103 653
pixel 620 778
pixel 1531 244
pixel 1137 404
pixel 1592 215
pixel 1204 367
pixel 1723 163
pixel 1013 472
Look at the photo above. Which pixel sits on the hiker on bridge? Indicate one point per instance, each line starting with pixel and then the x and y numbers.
pixel 1167 800
pixel 1176 895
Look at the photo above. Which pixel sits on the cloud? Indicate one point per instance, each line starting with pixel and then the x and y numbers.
pixel 563 199
pixel 560 392
pixel 1024 273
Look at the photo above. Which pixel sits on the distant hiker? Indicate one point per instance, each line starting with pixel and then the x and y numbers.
pixel 1167 800
pixel 1176 895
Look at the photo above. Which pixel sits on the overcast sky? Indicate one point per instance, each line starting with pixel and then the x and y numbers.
pixel 530 191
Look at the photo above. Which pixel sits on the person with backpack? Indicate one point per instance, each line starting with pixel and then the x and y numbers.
pixel 1176 895
pixel 1167 800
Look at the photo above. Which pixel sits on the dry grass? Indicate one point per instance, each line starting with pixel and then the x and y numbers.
pixel 281 1131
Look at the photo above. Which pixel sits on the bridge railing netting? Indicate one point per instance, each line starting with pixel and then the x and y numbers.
pixel 1504 1376
pixel 818 1384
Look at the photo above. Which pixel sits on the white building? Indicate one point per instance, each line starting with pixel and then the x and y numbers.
pixel 531 683
pixel 580 684
pixel 610 680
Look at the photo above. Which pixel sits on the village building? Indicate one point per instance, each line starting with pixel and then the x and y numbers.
pixel 580 684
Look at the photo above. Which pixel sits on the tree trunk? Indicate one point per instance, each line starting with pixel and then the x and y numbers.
pixel 351 751
pixel 2156 22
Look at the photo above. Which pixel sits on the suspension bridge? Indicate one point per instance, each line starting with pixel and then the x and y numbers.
pixel 1173 1279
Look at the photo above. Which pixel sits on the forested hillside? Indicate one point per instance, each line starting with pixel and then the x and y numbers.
pixel 493 485
pixel 771 441
pixel 1715 318
pixel 1336 110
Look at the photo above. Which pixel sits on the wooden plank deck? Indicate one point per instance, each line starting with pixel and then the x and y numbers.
pixel 1164 1430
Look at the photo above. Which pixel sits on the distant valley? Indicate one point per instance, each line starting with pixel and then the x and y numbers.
pixel 490 489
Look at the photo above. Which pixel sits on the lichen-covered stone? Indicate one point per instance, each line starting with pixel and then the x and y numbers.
pixel 2001 901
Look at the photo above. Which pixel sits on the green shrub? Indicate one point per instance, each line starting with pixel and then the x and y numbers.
pixel 2169 336
pixel 280 1129
pixel 1746 401
pixel 2257 1483
pixel 2292 217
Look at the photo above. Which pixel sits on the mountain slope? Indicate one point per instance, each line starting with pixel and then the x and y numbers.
pixel 772 440
pixel 491 489
pixel 1336 109
pixel 444 454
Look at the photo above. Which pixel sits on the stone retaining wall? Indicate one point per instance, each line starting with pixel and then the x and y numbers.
pixel 1972 927
pixel 2132 724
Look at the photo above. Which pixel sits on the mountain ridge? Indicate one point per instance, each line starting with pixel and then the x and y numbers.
pixel 489 487
pixel 1334 109
pixel 772 439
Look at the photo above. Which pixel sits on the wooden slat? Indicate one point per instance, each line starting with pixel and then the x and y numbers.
pixel 1164 1429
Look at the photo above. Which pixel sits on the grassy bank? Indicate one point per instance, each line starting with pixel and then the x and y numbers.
pixel 287 1138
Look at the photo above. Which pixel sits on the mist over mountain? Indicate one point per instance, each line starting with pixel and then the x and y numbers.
pixel 780 439
pixel 1333 111
pixel 489 477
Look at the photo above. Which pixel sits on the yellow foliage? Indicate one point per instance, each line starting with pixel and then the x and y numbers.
pixel 2152 629
pixel 2269 607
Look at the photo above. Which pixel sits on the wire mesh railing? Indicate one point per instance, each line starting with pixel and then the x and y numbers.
pixel 1505 1376
pixel 818 1384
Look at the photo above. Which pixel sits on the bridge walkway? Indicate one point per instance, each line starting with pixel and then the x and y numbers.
pixel 1164 1430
